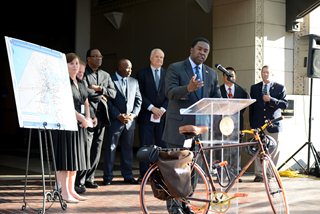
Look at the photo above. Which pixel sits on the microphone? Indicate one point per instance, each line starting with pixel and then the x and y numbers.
pixel 229 77
pixel 225 71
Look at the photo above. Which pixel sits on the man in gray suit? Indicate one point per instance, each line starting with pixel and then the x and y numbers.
pixel 123 111
pixel 187 82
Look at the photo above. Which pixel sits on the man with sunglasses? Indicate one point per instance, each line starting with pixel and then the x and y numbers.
pixel 100 89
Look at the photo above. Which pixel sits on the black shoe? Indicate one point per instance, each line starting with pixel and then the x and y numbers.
pixel 258 179
pixel 139 180
pixel 240 180
pixel 106 182
pixel 131 181
pixel 176 210
pixel 91 185
pixel 80 189
pixel 186 209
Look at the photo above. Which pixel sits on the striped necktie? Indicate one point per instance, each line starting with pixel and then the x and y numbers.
pixel 229 93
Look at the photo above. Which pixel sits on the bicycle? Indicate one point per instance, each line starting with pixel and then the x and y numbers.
pixel 206 195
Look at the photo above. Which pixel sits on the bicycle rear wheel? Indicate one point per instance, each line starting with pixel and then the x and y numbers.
pixel 152 205
pixel 273 184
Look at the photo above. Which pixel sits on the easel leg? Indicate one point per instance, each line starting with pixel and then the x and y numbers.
pixel 24 206
pixel 50 196
pixel 43 178
pixel 56 192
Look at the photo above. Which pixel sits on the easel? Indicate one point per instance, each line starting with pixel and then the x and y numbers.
pixel 55 193
pixel 311 147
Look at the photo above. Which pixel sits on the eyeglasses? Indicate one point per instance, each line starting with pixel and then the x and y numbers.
pixel 98 57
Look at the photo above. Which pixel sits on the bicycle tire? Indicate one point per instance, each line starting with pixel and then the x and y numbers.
pixel 274 188
pixel 151 205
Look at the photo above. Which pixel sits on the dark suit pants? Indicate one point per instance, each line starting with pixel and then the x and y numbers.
pixel 125 138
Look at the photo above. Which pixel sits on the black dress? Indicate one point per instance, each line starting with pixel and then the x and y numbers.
pixel 70 147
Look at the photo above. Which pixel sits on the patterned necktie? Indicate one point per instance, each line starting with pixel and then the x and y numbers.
pixel 229 93
pixel 265 89
pixel 197 73
pixel 157 78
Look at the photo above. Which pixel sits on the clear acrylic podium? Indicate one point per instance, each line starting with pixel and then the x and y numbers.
pixel 222 117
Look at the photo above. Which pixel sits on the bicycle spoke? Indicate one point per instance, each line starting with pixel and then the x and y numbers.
pixel 274 188
pixel 198 202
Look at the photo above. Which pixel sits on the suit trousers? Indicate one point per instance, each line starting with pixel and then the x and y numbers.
pixel 274 155
pixel 118 135
pixel 150 134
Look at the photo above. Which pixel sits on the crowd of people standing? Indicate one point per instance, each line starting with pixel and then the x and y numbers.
pixel 110 107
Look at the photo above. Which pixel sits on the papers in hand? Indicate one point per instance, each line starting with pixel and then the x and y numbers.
pixel 90 123
pixel 154 120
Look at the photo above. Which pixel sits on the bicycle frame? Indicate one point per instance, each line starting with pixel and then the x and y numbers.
pixel 200 154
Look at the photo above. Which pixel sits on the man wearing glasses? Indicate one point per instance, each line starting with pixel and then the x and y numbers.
pixel 100 89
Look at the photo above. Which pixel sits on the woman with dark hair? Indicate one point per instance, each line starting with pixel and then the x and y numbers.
pixel 69 146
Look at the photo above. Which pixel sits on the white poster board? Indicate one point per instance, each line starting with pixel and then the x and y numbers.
pixel 41 86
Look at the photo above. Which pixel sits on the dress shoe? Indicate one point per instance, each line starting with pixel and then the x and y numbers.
pixel 91 185
pixel 258 179
pixel 176 210
pixel 186 209
pixel 106 182
pixel 139 180
pixel 80 189
pixel 131 181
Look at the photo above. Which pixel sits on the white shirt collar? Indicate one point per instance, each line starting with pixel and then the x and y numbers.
pixel 194 64
pixel 232 88
pixel 119 76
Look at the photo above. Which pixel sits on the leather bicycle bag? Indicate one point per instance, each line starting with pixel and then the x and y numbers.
pixel 175 167
pixel 158 186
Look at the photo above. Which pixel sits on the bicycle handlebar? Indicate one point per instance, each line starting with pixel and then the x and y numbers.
pixel 262 128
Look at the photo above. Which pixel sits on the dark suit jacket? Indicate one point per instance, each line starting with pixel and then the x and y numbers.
pixel 150 95
pixel 125 103
pixel 238 93
pixel 176 81
pixel 260 111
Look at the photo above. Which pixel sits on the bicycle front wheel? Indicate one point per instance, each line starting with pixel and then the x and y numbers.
pixel 273 184
pixel 152 205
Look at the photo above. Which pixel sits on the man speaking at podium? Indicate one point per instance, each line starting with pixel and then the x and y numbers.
pixel 187 82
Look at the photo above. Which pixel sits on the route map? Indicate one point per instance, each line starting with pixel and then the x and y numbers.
pixel 41 86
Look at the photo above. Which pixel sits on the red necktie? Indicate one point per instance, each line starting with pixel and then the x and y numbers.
pixel 229 93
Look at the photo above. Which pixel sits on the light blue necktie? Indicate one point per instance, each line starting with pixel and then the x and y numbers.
pixel 157 78
pixel 124 86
